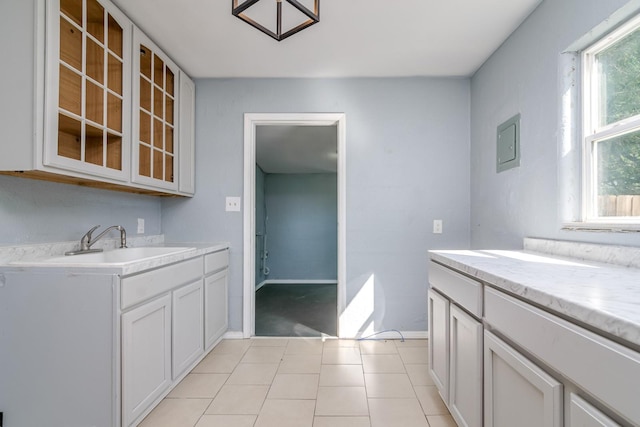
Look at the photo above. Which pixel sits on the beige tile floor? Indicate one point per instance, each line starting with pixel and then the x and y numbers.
pixel 276 382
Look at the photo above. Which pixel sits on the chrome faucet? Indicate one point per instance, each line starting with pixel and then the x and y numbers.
pixel 86 241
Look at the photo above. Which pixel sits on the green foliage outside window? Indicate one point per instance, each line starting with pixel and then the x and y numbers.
pixel 619 165
pixel 619 157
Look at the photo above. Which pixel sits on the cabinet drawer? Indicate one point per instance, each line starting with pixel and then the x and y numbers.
pixel 464 291
pixel 583 414
pixel 216 261
pixel 603 368
pixel 136 289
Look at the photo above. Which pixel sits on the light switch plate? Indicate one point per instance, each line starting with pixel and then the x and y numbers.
pixel 232 204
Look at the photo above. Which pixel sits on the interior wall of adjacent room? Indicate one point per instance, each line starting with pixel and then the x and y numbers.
pixel 302 226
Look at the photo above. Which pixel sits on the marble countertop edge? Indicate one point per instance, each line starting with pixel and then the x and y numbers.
pixel 24 257
pixel 619 318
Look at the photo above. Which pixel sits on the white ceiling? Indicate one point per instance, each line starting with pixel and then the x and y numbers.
pixel 297 149
pixel 354 38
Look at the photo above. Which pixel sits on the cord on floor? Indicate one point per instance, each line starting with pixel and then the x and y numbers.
pixel 369 337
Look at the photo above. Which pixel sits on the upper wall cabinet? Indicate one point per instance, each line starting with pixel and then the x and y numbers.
pixel 98 104
pixel 155 106
pixel 163 99
pixel 87 77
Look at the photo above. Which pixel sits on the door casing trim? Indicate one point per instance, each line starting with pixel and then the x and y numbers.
pixel 251 120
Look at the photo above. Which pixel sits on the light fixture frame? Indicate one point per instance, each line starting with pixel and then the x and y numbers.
pixel 314 17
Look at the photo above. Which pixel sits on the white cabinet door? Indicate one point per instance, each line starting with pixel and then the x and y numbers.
pixel 87 98
pixel 465 385
pixel 517 392
pixel 187 327
pixel 215 307
pixel 187 140
pixel 439 342
pixel 155 113
pixel 146 356
pixel 571 350
pixel 583 414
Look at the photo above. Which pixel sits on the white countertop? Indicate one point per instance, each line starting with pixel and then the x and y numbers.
pixel 36 256
pixel 601 295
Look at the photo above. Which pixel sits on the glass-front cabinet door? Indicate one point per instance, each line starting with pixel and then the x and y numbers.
pixel 155 87
pixel 88 69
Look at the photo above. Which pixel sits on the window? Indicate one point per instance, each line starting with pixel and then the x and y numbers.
pixel 611 132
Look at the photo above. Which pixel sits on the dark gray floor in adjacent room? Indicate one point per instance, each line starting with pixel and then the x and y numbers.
pixel 296 310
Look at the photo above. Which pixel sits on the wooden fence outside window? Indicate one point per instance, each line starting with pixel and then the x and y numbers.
pixel 627 205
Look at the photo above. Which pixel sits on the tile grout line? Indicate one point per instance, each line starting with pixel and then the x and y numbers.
pixel 371 350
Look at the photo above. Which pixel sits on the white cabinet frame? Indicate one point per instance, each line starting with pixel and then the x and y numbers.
pixel 187 138
pixel 439 342
pixel 215 307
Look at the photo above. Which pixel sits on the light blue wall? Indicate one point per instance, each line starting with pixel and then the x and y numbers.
pixel 407 156
pixel 34 211
pixel 525 75
pixel 260 224
pixel 302 226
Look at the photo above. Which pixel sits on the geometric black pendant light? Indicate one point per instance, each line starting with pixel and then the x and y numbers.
pixel 299 16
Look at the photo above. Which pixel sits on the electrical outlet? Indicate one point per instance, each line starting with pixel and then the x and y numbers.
pixel 232 204
pixel 437 226
pixel 140 230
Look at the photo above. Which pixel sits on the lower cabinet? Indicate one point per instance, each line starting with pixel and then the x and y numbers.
pixel 215 307
pixel 465 363
pixel 596 372
pixel 146 356
pixel 187 327
pixel 455 343
pixel 517 392
pixel 177 311
pixel 106 346
pixel 439 342
pixel 499 361
pixel 455 359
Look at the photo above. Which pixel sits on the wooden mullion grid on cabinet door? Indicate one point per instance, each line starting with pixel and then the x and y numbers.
pixel 156 104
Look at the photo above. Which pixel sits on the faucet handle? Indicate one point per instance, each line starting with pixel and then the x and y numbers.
pixel 88 233
pixel 86 239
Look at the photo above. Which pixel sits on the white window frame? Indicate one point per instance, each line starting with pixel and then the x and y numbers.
pixel 593 132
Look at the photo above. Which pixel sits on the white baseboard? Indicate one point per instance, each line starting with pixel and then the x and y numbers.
pixel 392 335
pixel 386 335
pixel 295 282
pixel 233 335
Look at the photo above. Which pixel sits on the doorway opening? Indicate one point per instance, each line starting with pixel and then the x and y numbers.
pixel 305 275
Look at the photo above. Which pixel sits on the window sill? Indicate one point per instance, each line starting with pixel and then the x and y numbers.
pixel 603 227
